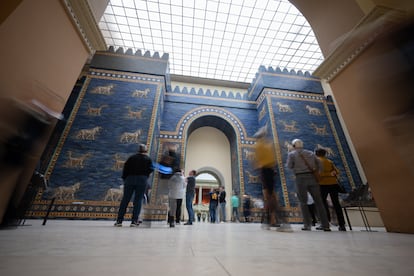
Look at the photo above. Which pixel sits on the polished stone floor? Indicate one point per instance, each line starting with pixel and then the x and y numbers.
pixel 72 247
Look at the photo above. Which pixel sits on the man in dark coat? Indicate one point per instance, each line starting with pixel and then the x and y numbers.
pixel 135 174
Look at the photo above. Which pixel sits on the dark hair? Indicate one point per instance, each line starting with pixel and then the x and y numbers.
pixel 320 152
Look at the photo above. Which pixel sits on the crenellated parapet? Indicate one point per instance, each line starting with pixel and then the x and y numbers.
pixel 138 62
pixel 138 53
pixel 236 95
pixel 283 79
pixel 284 71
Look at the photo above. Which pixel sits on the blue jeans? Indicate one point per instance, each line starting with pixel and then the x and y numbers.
pixel 132 184
pixel 235 215
pixel 213 210
pixel 189 197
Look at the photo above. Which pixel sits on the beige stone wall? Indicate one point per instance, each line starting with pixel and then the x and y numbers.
pixel 365 106
pixel 371 88
pixel 42 55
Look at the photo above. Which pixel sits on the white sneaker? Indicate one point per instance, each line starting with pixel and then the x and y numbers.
pixel 285 228
pixel 265 226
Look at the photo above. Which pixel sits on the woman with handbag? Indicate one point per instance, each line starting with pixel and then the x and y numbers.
pixel 329 185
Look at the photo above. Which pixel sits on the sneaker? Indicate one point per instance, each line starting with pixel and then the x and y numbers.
pixel 306 228
pixel 327 229
pixel 342 228
pixel 265 226
pixel 134 224
pixel 188 223
pixel 118 224
pixel 285 228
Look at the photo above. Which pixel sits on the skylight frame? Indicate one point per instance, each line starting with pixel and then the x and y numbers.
pixel 224 40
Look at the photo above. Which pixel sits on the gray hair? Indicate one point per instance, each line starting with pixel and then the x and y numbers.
pixel 142 148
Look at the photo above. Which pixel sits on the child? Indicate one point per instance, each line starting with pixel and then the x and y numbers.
pixel 235 203
pixel 311 207
pixel 246 207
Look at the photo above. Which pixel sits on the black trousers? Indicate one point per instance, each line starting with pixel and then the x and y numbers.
pixel 312 211
pixel 178 211
pixel 332 190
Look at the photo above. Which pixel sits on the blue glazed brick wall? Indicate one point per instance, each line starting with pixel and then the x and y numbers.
pixel 121 115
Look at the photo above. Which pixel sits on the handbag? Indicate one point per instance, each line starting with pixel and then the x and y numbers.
pixel 340 188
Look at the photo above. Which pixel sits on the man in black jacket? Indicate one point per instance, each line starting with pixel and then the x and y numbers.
pixel 136 171
pixel 222 203
pixel 189 196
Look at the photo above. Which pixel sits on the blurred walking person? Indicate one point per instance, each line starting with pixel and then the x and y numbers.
pixel 266 163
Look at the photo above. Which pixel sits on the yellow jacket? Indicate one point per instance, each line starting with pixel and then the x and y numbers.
pixel 325 172
pixel 265 154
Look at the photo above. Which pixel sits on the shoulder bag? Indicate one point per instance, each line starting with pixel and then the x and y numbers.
pixel 314 172
pixel 339 187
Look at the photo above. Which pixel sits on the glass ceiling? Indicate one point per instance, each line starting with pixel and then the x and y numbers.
pixel 216 39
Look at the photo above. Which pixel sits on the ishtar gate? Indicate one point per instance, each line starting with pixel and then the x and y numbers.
pixel 123 99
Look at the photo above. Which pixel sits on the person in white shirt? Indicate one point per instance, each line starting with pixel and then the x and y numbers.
pixel 176 189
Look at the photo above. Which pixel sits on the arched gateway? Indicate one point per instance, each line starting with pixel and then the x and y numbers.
pixel 222 120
